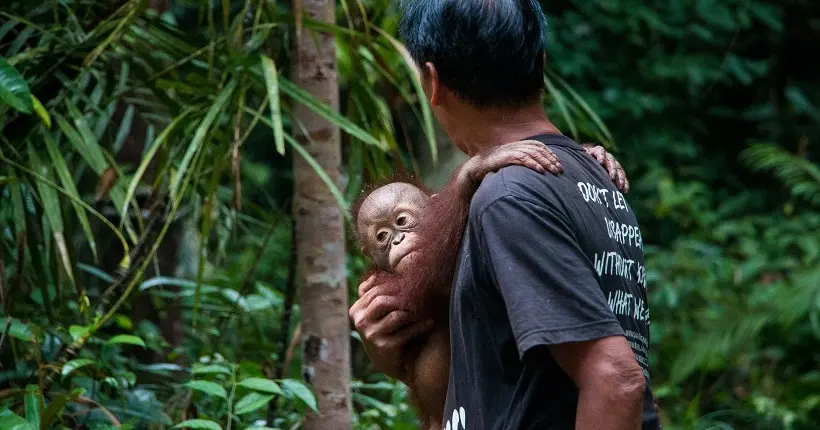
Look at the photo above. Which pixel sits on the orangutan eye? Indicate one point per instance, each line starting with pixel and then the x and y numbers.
pixel 401 220
pixel 381 236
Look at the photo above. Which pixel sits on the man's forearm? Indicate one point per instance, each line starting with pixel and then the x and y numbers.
pixel 390 366
pixel 610 408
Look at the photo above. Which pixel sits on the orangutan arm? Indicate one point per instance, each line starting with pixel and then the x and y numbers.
pixel 422 283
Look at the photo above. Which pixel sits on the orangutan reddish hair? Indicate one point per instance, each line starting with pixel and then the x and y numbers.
pixel 413 238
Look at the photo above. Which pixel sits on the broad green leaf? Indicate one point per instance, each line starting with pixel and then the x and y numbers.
pixel 77 332
pixel 59 164
pixel 41 111
pixel 329 114
pixel 252 402
pixel 126 338
pixel 74 365
pixel 208 387
pixel 11 421
pixel 199 424
pixel 14 90
pixel 261 384
pixel 200 369
pixel 20 331
pixel 200 134
pixel 33 405
pixel 55 408
pixel 272 84
pixel 301 391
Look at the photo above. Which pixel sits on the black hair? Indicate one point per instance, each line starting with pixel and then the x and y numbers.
pixel 489 52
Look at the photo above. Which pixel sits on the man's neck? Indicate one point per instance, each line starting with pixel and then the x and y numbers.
pixel 481 129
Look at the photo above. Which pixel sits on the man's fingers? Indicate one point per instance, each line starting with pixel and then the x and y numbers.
pixel 405 334
pixel 382 306
pixel 357 311
pixel 368 283
pixel 392 323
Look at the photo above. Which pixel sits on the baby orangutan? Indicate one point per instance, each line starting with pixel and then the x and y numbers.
pixel 413 239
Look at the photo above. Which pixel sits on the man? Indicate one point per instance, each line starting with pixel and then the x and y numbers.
pixel 548 317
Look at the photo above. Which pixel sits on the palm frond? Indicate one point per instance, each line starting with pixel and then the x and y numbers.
pixel 799 174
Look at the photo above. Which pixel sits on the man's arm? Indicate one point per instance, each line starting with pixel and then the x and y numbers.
pixel 384 326
pixel 554 299
pixel 610 383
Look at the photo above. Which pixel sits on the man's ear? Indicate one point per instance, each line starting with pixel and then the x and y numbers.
pixel 432 85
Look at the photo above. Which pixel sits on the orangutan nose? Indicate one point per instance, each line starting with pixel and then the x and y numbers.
pixel 397 240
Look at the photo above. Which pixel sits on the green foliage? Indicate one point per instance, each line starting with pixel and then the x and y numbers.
pixel 712 107
pixel 145 179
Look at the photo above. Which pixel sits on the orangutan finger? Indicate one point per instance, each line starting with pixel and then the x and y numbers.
pixel 551 161
pixel 621 177
pixel 533 164
pixel 545 165
pixel 609 164
pixel 598 153
pixel 546 159
pixel 626 183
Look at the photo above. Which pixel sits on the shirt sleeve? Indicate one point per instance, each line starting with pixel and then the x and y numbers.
pixel 549 286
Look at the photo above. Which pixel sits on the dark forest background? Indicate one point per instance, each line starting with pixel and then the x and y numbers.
pixel 170 129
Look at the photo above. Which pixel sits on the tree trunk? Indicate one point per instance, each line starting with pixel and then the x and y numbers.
pixel 320 248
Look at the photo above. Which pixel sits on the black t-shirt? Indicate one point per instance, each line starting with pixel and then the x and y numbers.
pixel 545 260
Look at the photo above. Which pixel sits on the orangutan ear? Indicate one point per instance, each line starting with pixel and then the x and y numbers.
pixel 364 251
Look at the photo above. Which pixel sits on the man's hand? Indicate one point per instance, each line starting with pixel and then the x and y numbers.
pixel 613 167
pixel 384 327
pixel 610 382
pixel 528 153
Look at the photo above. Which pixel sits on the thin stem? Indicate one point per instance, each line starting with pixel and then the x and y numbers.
pixel 230 397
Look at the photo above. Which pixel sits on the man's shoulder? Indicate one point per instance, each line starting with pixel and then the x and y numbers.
pixel 510 185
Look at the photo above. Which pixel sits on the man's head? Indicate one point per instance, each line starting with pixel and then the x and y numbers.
pixel 386 221
pixel 485 53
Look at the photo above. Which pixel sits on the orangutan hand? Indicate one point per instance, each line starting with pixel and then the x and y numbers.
pixel 613 167
pixel 384 327
pixel 528 153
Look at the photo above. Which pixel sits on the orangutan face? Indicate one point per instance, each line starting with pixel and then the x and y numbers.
pixel 386 223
